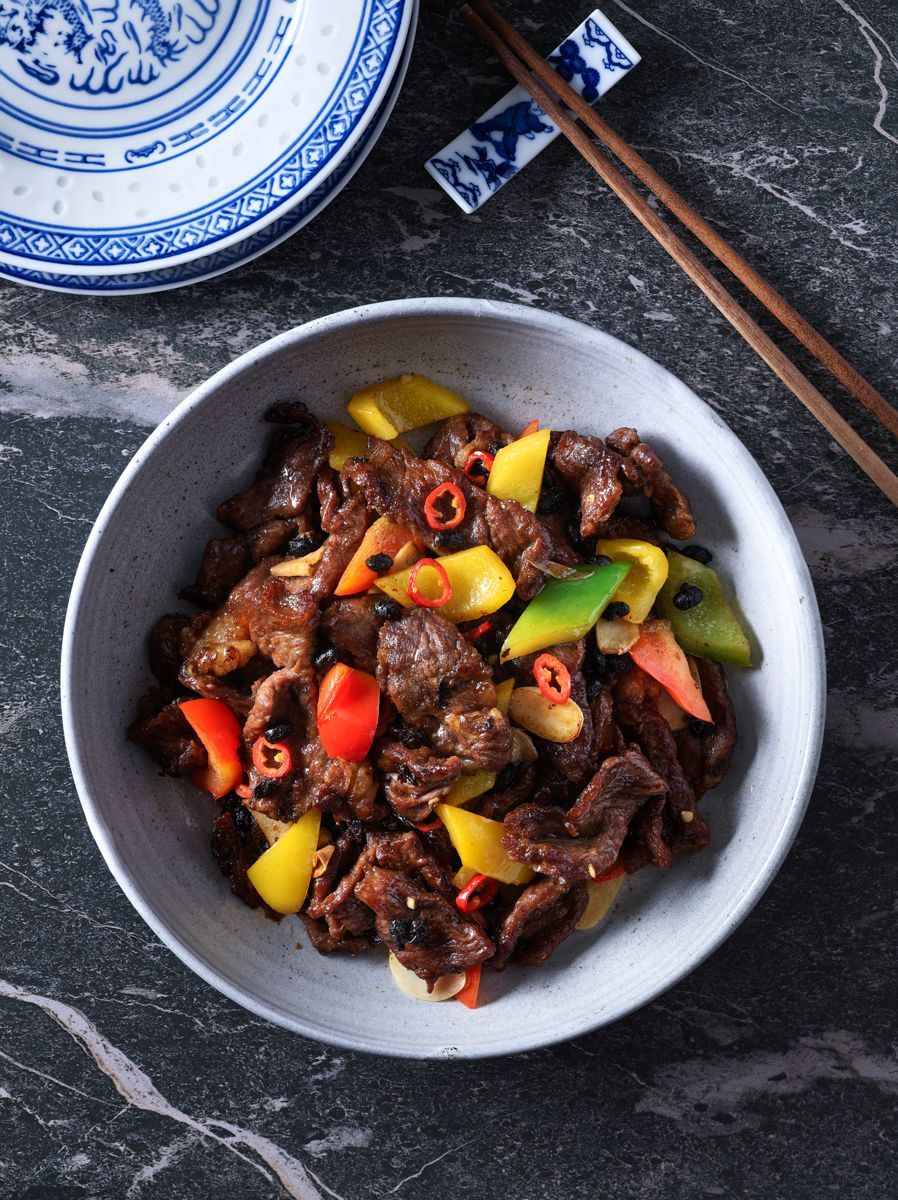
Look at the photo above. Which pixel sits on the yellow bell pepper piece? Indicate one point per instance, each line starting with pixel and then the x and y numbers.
pixel 348 443
pixel 517 472
pixel 478 842
pixel 503 695
pixel 389 408
pixel 601 896
pixel 281 875
pixel 481 584
pixel 462 877
pixel 469 787
pixel 643 581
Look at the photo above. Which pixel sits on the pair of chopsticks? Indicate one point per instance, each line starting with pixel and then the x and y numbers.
pixel 532 72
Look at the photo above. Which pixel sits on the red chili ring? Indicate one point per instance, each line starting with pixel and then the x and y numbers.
pixel 557 690
pixel 445 586
pixel 612 874
pixel 486 460
pixel 434 517
pixel 476 894
pixel 283 758
pixel 430 826
pixel 478 631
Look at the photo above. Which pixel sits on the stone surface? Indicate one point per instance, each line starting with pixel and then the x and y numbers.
pixel 768 1072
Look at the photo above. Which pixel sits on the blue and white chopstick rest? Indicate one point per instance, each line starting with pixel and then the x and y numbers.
pixel 509 135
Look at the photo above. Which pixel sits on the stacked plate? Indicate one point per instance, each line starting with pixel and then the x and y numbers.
pixel 148 144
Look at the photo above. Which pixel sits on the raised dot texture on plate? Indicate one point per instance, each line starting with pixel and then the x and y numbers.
pixel 114 92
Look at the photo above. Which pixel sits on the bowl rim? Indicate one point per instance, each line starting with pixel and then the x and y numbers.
pixel 443 307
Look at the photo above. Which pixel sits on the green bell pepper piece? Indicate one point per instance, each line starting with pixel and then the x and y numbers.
pixel 711 629
pixel 564 610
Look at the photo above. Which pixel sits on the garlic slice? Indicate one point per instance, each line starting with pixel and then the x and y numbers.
pixel 407 981
pixel 529 708
pixel 292 568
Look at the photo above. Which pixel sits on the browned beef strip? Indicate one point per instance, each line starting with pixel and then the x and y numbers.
pixel 396 484
pixel 234 854
pixel 440 684
pixel 332 493
pixel 285 480
pixel 170 739
pixel 351 625
pixel 166 647
pixel 595 472
pixel 403 852
pixel 540 919
pixel 425 931
pixel 415 779
pixel 513 786
pixel 226 560
pixel 459 436
pixel 615 793
pixel 326 942
pixel 719 742
pixel 586 842
pixel 670 506
pixel 643 721
pixel 347 528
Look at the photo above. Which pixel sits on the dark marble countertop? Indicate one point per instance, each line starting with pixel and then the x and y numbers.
pixel 770 1071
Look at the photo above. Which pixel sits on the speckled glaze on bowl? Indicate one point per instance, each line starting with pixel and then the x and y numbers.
pixel 513 363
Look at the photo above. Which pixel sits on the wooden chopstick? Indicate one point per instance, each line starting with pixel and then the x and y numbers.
pixel 726 304
pixel 761 288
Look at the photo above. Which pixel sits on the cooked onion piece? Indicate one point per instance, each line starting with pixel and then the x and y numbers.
pixel 529 708
pixel 407 981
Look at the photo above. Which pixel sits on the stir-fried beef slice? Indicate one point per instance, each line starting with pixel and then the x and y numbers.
pixel 262 613
pixel 347 528
pixel 719 741
pixel 601 710
pixel 440 684
pixel 396 484
pixel 226 560
pixel 416 780
pixel 351 625
pixel 403 852
pixel 630 525
pixel 235 853
pixel 460 436
pixel 326 943
pixel 595 472
pixel 687 827
pixel 332 493
pixel 614 795
pixel 513 786
pixel 286 478
pixel 542 836
pixel 166 647
pixel 544 914
pixel 344 853
pixel 670 506
pixel 425 931
pixel 171 741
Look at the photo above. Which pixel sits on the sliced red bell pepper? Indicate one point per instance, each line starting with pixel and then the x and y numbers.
pixel 658 654
pixel 348 706
pixel 219 731
pixel 530 427
pixel 383 537
pixel 468 994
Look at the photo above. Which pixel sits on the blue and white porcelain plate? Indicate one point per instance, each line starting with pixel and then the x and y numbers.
pixel 141 134
pixel 257 243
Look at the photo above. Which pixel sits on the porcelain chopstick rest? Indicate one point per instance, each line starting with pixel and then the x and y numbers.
pixel 473 166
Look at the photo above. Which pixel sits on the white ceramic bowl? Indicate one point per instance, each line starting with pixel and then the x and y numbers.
pixel 514 363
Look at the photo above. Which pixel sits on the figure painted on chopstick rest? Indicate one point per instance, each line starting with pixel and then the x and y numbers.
pixel 99 48
pixel 524 119
pixel 594 35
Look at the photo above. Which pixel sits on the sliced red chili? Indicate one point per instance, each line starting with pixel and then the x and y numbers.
pixel 530 427
pixel 479 465
pixel 477 893
pixel 243 791
pixel 612 874
pixel 272 759
pixel 430 826
pixel 445 586
pixel 478 631
pixel 445 507
pixel 552 678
